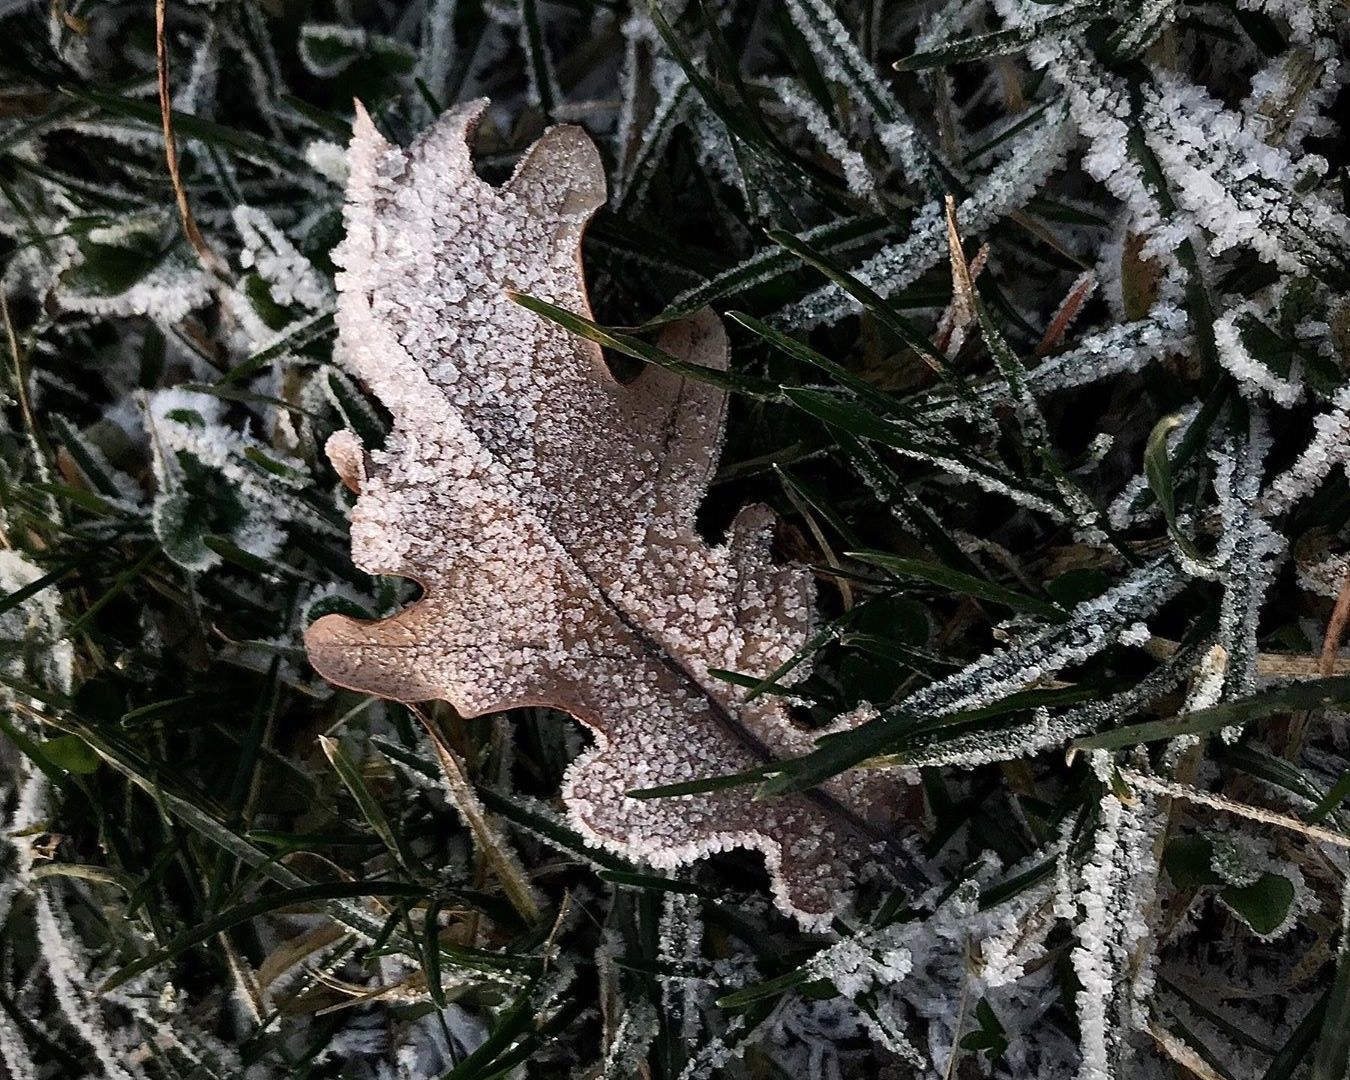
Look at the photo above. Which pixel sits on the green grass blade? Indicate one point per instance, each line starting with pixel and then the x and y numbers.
pixel 638 349
pixel 366 802
pixel 1313 694
pixel 957 582
pixel 252 909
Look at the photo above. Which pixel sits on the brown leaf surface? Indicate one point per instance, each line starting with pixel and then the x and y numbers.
pixel 548 513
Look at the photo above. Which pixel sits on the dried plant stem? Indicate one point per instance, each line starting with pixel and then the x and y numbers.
pixel 1182 1054
pixel 486 837
pixel 1268 664
pixel 1327 663
pixel 1230 806
pixel 209 259
pixel 1340 614
pixel 550 945
pixel 1068 310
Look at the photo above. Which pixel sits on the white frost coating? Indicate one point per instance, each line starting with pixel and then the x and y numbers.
pixel 327 159
pixel 1291 96
pixel 13 1051
pixel 1320 570
pixel 1091 627
pixel 38 620
pixel 185 422
pixel 1135 634
pixel 156 1007
pixel 1118 350
pixel 1224 177
pixel 1046 731
pixel 73 989
pixel 62 959
pixel 542 80
pixel 291 279
pixel 632 1036
pixel 638 153
pixel 680 940
pixel 1121 349
pixel 1241 859
pixel 167 292
pixel 839 59
pixel 1252 375
pixel 957 951
pixel 1034 156
pixel 768 263
pixel 1111 959
pixel 200 86
pixel 269 251
pixel 1328 448
pixel 1209 677
pixel 1250 550
pixel 1303 16
pixel 1240 189
pixel 328 49
pixel 638 32
pixel 857 175
pixel 548 512
pixel 437 53
pixel 858 963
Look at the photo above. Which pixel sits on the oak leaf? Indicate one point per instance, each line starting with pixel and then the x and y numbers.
pixel 547 510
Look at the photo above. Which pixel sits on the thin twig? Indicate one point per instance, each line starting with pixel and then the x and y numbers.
pixel 514 881
pixel 1340 615
pixel 211 262
pixel 1274 665
pixel 1230 806
pixel 1182 1054
pixel 563 908
pixel 1325 664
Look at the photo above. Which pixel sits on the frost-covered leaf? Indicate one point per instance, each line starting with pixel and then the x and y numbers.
pixel 133 267
pixel 1264 904
pixel 329 49
pixel 547 510
pixel 215 482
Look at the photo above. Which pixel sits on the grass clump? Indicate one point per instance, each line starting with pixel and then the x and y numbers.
pixel 1040 347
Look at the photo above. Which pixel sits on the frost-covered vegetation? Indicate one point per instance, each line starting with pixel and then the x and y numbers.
pixel 1040 348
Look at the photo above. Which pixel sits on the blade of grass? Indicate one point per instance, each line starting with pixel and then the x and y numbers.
pixel 964 584
pixel 365 800
pixel 1313 694
pixel 1331 1058
pixel 488 841
pixel 252 909
pixel 770 264
pixel 1158 470
pixel 1003 42
pixel 638 349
